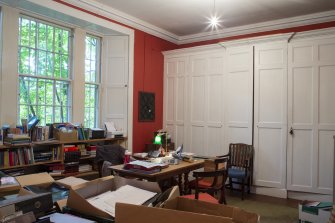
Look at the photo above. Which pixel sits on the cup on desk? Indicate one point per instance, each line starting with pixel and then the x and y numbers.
pixel 127 157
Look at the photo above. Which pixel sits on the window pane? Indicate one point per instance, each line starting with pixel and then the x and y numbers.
pixel 64 65
pixel 50 38
pixel 24 60
pixel 24 35
pixel 65 40
pixel 57 66
pixel 42 63
pixel 32 62
pixel 42 36
pixel 32 34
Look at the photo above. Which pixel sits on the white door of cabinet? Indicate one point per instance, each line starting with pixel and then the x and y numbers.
pixel 270 114
pixel 238 91
pixel 206 118
pixel 311 109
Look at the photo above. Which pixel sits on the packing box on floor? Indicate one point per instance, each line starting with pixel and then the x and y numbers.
pixel 44 179
pixel 78 195
pixel 43 182
pixel 183 210
pixel 318 213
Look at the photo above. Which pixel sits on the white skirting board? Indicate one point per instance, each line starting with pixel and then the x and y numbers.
pixel 273 192
pixel 283 193
pixel 309 196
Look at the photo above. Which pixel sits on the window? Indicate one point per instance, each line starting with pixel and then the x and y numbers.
pixel 92 80
pixel 44 71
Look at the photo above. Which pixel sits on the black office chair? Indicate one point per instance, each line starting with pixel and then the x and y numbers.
pixel 108 155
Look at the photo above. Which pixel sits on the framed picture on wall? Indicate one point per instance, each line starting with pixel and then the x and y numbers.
pixel 146 108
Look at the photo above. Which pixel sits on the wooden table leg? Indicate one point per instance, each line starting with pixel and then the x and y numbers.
pixel 180 184
pixel 186 183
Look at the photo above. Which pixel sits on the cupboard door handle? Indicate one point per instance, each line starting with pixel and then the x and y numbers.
pixel 291 131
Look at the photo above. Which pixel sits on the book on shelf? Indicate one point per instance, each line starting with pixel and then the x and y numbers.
pixel 16 157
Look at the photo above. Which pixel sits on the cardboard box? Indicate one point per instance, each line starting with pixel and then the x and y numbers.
pixel 23 202
pixel 183 210
pixel 78 195
pixel 65 136
pixel 44 179
pixel 9 185
pixel 319 215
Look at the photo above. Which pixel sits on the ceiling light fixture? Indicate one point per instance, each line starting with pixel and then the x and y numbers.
pixel 214 20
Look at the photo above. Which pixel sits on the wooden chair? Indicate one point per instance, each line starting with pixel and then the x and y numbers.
pixel 210 182
pixel 112 154
pixel 240 166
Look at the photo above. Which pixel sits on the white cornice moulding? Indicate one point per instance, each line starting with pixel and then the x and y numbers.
pixel 261 39
pixel 319 33
pixel 196 49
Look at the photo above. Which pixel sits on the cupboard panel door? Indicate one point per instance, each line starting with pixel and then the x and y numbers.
pixel 175 71
pixel 238 91
pixel 170 99
pixel 325 160
pixel 311 107
pixel 270 114
pixel 115 82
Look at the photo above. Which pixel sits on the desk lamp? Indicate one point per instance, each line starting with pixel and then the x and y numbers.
pixel 158 139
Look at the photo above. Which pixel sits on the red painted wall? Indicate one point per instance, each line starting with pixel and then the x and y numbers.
pixel 148 76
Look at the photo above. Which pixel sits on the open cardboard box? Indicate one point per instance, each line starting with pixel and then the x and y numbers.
pixel 24 201
pixel 78 195
pixel 44 179
pixel 183 210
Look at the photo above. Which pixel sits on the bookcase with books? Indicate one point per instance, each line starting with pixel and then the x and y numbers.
pixel 30 157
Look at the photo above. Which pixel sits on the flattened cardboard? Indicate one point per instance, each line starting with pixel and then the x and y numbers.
pixel 35 179
pixel 183 210
pixel 78 194
pixel 128 213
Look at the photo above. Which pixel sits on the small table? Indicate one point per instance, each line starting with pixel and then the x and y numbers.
pixel 183 168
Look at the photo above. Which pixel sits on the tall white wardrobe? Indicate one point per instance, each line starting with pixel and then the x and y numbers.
pixel 275 92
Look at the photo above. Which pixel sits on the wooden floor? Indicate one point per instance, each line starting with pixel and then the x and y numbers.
pixel 266 199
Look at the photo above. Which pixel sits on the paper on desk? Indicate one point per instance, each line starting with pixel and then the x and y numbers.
pixel 110 126
pixel 125 194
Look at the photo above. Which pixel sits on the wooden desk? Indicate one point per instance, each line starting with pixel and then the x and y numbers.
pixel 183 168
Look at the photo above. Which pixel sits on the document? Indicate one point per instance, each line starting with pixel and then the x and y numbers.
pixel 125 194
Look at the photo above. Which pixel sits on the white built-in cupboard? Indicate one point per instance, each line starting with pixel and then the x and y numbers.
pixel 275 92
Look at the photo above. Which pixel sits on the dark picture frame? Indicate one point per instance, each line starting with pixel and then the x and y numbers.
pixel 146 108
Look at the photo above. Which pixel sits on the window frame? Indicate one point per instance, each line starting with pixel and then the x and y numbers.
pixel 97 83
pixel 68 80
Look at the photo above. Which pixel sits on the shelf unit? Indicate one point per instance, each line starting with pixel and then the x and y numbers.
pixel 49 145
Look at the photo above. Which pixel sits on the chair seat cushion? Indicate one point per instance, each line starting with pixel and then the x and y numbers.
pixel 203 183
pixel 203 197
pixel 237 173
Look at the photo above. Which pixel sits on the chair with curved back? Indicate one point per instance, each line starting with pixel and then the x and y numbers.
pixel 210 182
pixel 107 155
pixel 240 166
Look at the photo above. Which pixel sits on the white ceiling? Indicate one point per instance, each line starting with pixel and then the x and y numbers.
pixel 188 18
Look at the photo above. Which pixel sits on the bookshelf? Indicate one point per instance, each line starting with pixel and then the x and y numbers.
pixel 42 153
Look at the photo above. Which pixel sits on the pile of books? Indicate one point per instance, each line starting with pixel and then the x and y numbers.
pixel 144 167
pixel 17 139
